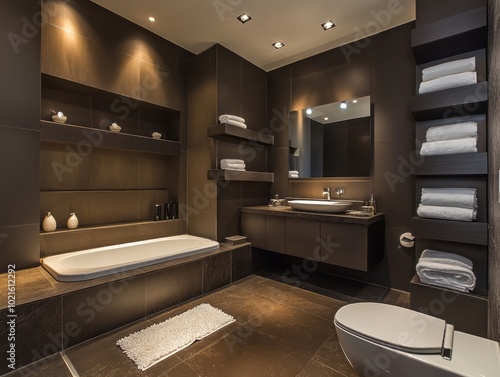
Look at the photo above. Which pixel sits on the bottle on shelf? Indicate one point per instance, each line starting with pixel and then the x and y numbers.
pixel 373 204
pixel 49 223
pixel 72 222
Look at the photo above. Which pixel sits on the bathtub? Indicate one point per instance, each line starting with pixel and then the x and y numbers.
pixel 108 260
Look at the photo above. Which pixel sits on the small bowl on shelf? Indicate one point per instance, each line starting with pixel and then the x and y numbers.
pixel 156 135
pixel 59 117
pixel 115 127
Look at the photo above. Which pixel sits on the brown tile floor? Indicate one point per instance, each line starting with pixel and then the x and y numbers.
pixel 280 330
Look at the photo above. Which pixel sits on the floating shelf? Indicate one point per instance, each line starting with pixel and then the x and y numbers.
pixel 58 132
pixel 236 175
pixel 454 164
pixel 450 36
pixel 473 232
pixel 226 131
pixel 449 103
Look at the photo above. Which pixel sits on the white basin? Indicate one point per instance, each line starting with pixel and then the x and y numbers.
pixel 326 206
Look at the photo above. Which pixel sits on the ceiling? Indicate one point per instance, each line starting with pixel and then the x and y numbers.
pixel 196 25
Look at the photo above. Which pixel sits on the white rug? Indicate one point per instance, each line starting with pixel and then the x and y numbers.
pixel 157 342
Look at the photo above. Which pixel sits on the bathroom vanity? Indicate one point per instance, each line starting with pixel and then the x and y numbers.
pixel 338 239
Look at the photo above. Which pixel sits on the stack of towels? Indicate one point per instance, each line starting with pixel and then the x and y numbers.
pixel 446 270
pixel 232 164
pixel 450 139
pixel 448 75
pixel 448 204
pixel 293 174
pixel 233 119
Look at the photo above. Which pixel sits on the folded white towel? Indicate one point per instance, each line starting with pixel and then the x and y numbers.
pixel 231 161
pixel 447 213
pixel 293 172
pixel 452 197
pixel 293 175
pixel 235 123
pixel 447 82
pixel 449 68
pixel 225 117
pixel 433 148
pixel 452 131
pixel 447 270
pixel 232 166
pixel 235 169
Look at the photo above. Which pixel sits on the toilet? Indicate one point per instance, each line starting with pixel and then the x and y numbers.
pixel 386 340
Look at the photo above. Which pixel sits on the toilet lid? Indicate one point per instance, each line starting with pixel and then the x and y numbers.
pixel 393 326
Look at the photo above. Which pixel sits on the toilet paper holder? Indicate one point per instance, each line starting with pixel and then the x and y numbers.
pixel 407 240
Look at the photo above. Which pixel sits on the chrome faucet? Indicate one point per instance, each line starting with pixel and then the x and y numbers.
pixel 339 191
pixel 326 192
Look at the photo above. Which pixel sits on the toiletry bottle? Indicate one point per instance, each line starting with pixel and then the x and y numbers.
pixel 157 212
pixel 49 223
pixel 373 204
pixel 174 210
pixel 72 222
pixel 165 211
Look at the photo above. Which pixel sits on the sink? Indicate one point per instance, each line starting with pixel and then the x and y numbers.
pixel 325 206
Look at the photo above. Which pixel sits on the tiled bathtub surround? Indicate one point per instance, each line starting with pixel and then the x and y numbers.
pixel 53 316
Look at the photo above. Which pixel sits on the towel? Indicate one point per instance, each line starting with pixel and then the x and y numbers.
pixel 433 148
pixel 225 117
pixel 231 161
pixel 446 270
pixel 235 123
pixel 447 213
pixel 452 131
pixel 449 68
pixel 447 82
pixel 452 197
pixel 233 166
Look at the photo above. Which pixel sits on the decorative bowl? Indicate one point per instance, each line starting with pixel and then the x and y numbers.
pixel 115 127
pixel 59 117
pixel 156 135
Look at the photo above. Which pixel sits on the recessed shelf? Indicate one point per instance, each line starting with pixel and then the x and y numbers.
pixel 473 232
pixel 449 103
pixel 58 132
pixel 454 164
pixel 450 36
pixel 226 131
pixel 236 175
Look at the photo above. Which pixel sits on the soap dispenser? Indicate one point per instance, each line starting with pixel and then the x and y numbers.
pixel 372 203
pixel 49 223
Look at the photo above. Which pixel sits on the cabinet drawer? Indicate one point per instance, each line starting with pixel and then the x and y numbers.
pixel 253 226
pixel 275 233
pixel 302 238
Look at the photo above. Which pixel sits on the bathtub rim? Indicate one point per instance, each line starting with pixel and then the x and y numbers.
pixel 73 275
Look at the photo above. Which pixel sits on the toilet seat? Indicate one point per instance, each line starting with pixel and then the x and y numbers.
pixel 394 327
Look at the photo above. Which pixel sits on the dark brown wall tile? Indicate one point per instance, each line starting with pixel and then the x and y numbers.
pixel 113 236
pixel 113 170
pixel 229 89
pixel 241 263
pixel 63 242
pixel 216 272
pixel 148 199
pixel 93 311
pixel 253 96
pixel 19 245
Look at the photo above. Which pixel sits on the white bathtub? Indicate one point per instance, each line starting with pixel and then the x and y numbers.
pixel 108 260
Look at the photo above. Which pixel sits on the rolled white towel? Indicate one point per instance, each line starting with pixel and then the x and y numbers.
pixel 293 176
pixel 225 117
pixel 232 161
pixel 447 213
pixel 433 148
pixel 446 270
pixel 452 131
pixel 235 123
pixel 449 68
pixel 447 82
pixel 233 166
pixel 452 197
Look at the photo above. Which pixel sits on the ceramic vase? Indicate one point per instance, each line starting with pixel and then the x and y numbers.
pixel 49 223
pixel 72 221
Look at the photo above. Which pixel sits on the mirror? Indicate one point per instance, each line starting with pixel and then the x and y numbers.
pixel 332 140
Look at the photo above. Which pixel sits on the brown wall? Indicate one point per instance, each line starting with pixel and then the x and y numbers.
pixel 383 67
pixel 19 133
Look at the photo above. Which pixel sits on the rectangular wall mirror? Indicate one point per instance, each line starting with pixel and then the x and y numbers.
pixel 332 140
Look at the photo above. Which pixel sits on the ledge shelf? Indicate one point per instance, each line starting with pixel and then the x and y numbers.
pixel 454 164
pixel 449 103
pixel 473 232
pixel 236 175
pixel 62 132
pixel 450 36
pixel 226 131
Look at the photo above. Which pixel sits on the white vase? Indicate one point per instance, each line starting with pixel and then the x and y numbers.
pixel 72 221
pixel 49 223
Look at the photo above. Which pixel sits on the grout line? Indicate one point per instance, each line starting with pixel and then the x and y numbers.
pixel 69 364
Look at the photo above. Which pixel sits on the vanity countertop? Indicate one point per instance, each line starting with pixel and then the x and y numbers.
pixel 333 217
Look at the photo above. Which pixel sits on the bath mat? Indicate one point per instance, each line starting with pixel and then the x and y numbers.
pixel 159 341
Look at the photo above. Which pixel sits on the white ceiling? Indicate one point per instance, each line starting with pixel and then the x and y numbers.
pixel 198 24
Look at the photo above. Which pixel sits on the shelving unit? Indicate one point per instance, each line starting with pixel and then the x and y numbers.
pixel 230 133
pixel 456 37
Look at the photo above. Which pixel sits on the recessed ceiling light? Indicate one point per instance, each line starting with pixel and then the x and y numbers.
pixel 325 118
pixel 278 44
pixel 343 105
pixel 309 111
pixel 354 101
pixel 152 19
pixel 328 25
pixel 244 18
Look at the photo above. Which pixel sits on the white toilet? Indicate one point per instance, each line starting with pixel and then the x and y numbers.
pixel 385 340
